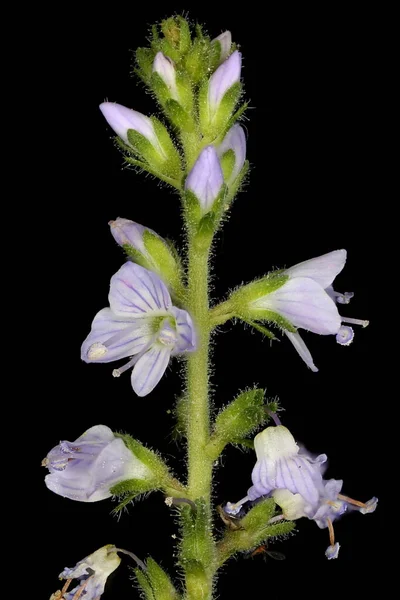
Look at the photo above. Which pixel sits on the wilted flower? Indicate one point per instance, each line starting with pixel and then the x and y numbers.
pixel 225 42
pixel 165 68
pixel 92 573
pixel 307 300
pixel 234 141
pixel 205 180
pixel 142 323
pixel 121 119
pixel 294 479
pixel 89 467
pixel 227 74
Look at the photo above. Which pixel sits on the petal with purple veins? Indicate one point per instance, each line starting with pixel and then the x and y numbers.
pixel 149 369
pixel 186 333
pixel 137 292
pixel 305 304
pixel 113 337
pixel 322 269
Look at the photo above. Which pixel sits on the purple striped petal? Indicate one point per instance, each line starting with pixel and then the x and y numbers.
pixel 186 334
pixel 137 292
pixel 304 303
pixel 206 178
pixel 113 337
pixel 322 269
pixel 149 369
pixel 302 349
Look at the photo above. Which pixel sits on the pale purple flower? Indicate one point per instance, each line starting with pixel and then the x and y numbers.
pixel 294 478
pixel 141 323
pixel 121 119
pixel 126 232
pixel 205 180
pixel 89 467
pixel 227 74
pixel 234 140
pixel 165 68
pixel 92 573
pixel 225 40
pixel 307 300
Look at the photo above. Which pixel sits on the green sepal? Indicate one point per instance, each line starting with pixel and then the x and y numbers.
pixel 144 59
pixel 155 583
pixel 236 421
pixel 177 33
pixel 197 60
pixel 185 91
pixel 213 128
pixel 148 457
pixel 266 332
pixel 126 499
pixel 197 543
pixel 160 88
pixel 197 581
pixel 145 149
pixel 193 210
pixel 215 55
pixel 247 294
pixel 227 162
pixel 237 184
pixel 134 487
pixel 254 530
pixel 178 116
pixel 172 166
pixel 163 261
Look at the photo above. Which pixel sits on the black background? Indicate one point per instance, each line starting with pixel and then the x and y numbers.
pixel 314 143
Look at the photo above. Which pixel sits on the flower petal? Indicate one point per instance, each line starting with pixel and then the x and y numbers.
pixel 322 269
pixel 120 118
pixel 149 369
pixel 305 304
pixel 117 337
pixel 137 292
pixel 185 330
pixel 234 140
pixel 302 350
pixel 227 74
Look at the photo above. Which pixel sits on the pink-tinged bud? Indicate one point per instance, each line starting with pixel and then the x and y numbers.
pixel 206 178
pixel 126 232
pixel 225 40
pixel 165 68
pixel 223 79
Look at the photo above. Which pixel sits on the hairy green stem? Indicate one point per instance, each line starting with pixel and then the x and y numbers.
pixel 200 581
pixel 199 465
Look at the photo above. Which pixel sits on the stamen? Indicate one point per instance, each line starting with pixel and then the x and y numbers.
pixel 332 551
pixel 96 351
pixel 331 532
pixel 275 519
pixel 118 372
pixel 135 558
pixel 343 298
pixel 355 321
pixel 233 509
pixel 81 589
pixel 274 417
pixel 66 586
pixel 345 335
pixel 365 507
pixel 119 336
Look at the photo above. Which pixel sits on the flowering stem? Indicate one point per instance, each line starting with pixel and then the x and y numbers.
pixel 198 420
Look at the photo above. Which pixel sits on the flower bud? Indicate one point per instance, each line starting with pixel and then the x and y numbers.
pixel 205 180
pixel 232 153
pixel 148 138
pixel 165 68
pixel 145 247
pixel 224 43
pixel 88 468
pixel 218 99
